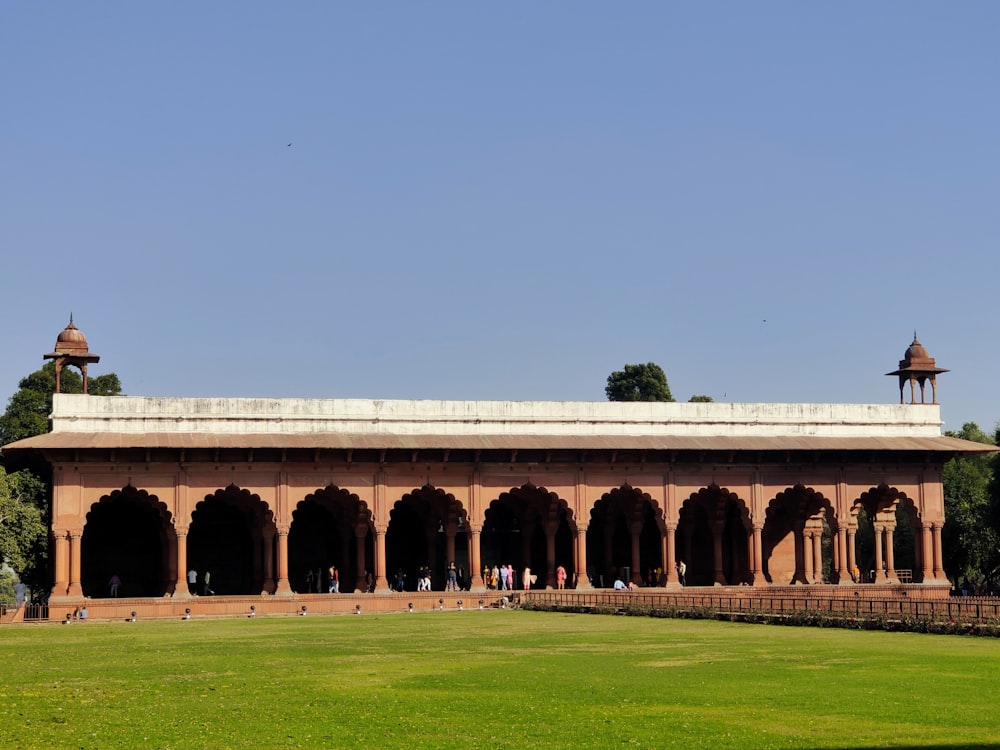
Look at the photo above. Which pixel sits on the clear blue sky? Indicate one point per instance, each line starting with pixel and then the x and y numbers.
pixel 504 201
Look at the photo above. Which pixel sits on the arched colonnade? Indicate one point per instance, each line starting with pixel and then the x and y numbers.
pixel 374 536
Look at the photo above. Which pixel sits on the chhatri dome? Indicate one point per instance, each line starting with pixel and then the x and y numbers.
pixel 71 349
pixel 71 340
pixel 917 367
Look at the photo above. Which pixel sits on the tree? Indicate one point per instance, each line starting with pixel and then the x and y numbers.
pixel 701 400
pixel 25 495
pixel 23 530
pixel 645 382
pixel 970 537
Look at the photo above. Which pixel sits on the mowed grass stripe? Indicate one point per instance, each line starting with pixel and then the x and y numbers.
pixel 491 679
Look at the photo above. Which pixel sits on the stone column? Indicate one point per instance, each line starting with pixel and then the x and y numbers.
pixel 720 577
pixel 936 543
pixel 890 555
pixel 449 545
pixel 550 554
pixel 634 532
pixel 851 564
pixel 817 550
pixel 180 584
pixel 360 539
pixel 60 586
pixel 841 547
pixel 475 560
pixel 666 553
pixel 668 543
pixel 879 565
pixel 758 554
pixel 527 531
pixel 927 553
pixel 807 556
pixel 75 540
pixel 269 586
pixel 283 589
pixel 381 580
pixel 580 563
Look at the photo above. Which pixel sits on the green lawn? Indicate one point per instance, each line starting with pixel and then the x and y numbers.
pixel 491 679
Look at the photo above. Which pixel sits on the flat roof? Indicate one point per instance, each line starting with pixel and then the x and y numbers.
pixel 110 422
pixel 320 440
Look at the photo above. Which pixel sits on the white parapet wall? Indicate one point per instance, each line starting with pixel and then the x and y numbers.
pixel 132 414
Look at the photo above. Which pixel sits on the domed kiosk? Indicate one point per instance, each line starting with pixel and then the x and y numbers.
pixel 917 367
pixel 71 349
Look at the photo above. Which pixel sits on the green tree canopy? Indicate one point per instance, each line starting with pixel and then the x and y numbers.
pixel 23 530
pixel 701 400
pixel 645 382
pixel 970 537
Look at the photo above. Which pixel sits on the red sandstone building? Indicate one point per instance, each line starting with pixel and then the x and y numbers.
pixel 266 494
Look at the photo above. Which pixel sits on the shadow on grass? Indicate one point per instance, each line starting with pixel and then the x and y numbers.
pixel 973 746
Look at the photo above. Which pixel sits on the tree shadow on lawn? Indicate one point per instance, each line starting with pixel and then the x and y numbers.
pixel 966 746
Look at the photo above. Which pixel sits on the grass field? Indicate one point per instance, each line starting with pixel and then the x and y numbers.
pixel 492 679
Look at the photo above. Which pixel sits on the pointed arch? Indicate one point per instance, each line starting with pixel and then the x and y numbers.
pixel 713 532
pixel 428 528
pixel 529 527
pixel 625 537
pixel 229 531
pixel 888 543
pixel 129 534
pixel 797 538
pixel 331 527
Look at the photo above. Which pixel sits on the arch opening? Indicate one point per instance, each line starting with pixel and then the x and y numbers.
pixel 713 533
pixel 127 536
pixel 625 539
pixel 330 538
pixel 797 538
pixel 226 543
pixel 427 531
pixel 528 527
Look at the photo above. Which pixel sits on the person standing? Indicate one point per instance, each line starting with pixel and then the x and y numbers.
pixel 526 578
pixel 452 577
pixel 193 581
pixel 206 584
pixel 682 573
pixel 334 580
pixel 113 583
pixel 560 578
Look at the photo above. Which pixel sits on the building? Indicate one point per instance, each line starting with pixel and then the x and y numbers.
pixel 267 494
